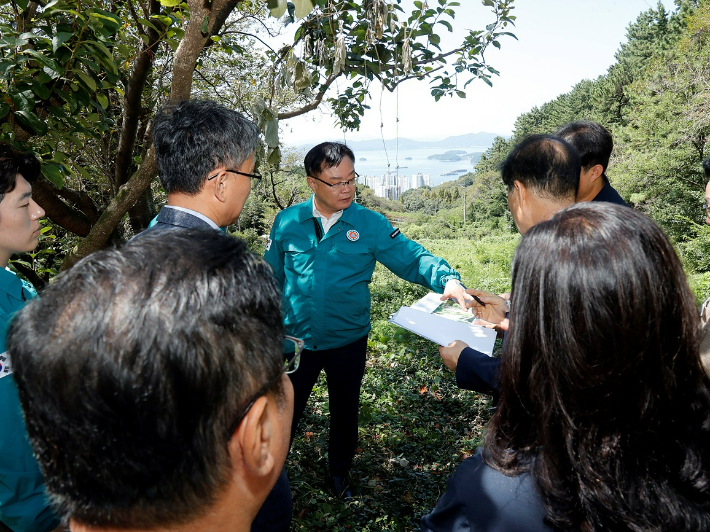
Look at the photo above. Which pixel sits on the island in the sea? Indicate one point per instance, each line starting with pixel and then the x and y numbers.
pixel 454 172
pixel 451 155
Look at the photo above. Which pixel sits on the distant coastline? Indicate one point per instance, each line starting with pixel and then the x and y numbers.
pixel 456 142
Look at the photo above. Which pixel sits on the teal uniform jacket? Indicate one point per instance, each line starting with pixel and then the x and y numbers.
pixel 23 505
pixel 326 297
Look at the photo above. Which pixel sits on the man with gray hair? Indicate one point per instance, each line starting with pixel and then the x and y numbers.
pixel 155 391
pixel 206 158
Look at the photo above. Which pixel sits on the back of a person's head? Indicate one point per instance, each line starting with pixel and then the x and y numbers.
pixel 603 398
pixel 706 167
pixel 134 366
pixel 13 162
pixel 326 155
pixel 546 165
pixel 193 137
pixel 592 140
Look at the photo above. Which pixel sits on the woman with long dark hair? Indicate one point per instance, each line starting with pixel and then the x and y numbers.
pixel 604 414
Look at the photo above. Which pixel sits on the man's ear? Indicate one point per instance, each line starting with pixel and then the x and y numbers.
pixel 219 185
pixel 521 192
pixel 311 183
pixel 594 173
pixel 253 441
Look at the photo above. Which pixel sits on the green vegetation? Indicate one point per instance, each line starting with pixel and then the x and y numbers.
pixel 654 100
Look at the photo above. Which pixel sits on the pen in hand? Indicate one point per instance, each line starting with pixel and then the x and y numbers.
pixel 478 300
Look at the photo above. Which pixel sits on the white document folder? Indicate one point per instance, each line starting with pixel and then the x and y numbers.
pixel 443 331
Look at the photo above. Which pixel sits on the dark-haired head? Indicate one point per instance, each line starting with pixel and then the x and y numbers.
pixel 545 164
pixel 326 155
pixel 193 137
pixel 133 368
pixel 593 142
pixel 603 398
pixel 706 167
pixel 13 162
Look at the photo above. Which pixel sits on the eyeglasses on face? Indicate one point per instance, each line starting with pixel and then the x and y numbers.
pixel 705 206
pixel 341 184
pixel 292 349
pixel 255 176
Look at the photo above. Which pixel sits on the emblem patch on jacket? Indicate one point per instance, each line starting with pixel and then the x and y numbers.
pixel 5 366
pixel 394 233
pixel 353 235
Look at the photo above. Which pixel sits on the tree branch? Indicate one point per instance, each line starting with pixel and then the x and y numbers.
pixel 47 196
pixel 315 103
pixel 133 110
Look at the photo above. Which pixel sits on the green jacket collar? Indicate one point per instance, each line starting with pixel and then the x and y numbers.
pixel 305 212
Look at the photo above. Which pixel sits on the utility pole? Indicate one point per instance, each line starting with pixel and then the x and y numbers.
pixel 464 203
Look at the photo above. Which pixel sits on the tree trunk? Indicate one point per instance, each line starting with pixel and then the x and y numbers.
pixel 184 64
pixel 126 197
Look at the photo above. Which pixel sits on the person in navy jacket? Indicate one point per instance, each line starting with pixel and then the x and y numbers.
pixel 542 175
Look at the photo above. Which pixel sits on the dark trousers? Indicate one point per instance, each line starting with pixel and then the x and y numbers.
pixel 344 368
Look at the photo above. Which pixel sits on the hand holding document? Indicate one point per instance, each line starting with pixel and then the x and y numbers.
pixel 444 322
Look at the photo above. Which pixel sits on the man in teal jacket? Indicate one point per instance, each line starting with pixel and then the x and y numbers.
pixel 323 252
pixel 23 505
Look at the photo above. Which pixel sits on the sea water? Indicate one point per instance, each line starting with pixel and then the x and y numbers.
pixel 378 162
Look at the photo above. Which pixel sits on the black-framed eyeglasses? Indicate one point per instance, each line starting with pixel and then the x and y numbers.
pixel 292 349
pixel 341 184
pixel 255 176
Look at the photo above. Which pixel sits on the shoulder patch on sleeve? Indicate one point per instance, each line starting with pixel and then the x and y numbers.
pixel 268 244
pixel 394 233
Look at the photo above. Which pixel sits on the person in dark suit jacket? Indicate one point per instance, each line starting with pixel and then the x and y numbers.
pixel 476 371
pixel 206 161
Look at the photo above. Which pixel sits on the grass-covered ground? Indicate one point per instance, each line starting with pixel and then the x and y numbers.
pixel 416 426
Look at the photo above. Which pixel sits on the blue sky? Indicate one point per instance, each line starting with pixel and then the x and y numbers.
pixel 560 42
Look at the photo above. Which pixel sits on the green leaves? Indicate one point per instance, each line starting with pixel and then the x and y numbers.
pixel 31 120
pixel 302 7
pixel 59 39
pixel 54 172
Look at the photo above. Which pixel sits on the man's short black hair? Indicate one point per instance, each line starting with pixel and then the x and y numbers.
pixel 133 368
pixel 13 162
pixel 544 163
pixel 706 167
pixel 193 137
pixel 326 155
pixel 593 142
